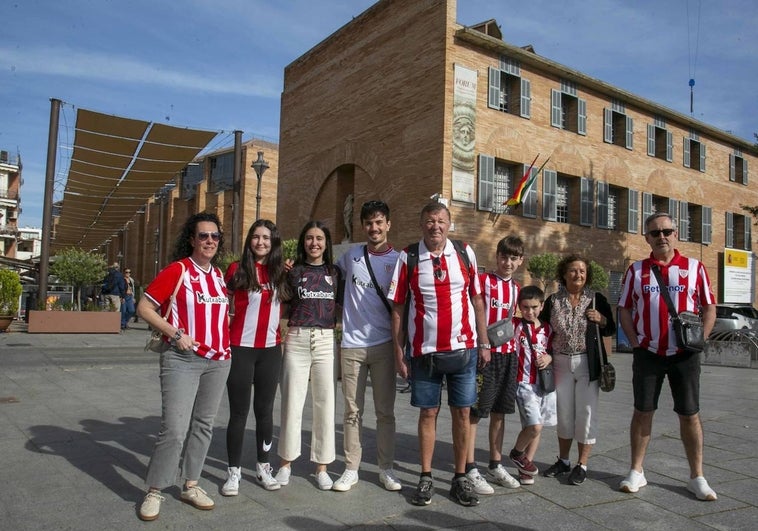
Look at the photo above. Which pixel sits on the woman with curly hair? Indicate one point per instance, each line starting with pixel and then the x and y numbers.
pixel 257 283
pixel 309 353
pixel 194 369
pixel 582 320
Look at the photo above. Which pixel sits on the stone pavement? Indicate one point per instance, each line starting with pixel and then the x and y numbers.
pixel 79 413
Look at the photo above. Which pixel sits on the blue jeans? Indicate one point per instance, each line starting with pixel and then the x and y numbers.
pixel 426 388
pixel 191 391
pixel 127 310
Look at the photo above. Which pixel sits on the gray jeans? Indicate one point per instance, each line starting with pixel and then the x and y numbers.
pixel 191 391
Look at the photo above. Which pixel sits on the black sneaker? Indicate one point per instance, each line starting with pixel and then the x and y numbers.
pixel 578 475
pixel 463 491
pixel 557 469
pixel 424 491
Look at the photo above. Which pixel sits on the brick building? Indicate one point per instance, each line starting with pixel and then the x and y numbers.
pixel 402 103
pixel 10 202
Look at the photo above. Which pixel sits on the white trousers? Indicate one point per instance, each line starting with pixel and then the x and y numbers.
pixel 577 398
pixel 308 355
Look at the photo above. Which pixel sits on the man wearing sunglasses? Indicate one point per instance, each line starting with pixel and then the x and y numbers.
pixel 645 319
pixel 447 334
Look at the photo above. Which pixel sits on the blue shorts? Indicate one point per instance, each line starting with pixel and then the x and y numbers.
pixel 426 388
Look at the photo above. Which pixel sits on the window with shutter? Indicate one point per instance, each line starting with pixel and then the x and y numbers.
pixel 549 194
pixel 586 191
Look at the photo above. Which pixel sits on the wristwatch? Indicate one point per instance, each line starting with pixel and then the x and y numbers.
pixel 178 335
pixel 485 345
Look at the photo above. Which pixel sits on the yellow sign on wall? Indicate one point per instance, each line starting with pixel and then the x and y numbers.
pixel 734 258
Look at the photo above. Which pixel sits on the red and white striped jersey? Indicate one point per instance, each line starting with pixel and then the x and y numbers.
pixel 441 313
pixel 256 313
pixel 541 340
pixel 688 285
pixel 201 307
pixel 500 298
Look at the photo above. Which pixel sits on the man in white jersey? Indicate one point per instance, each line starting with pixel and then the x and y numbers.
pixel 367 345
pixel 445 318
pixel 645 319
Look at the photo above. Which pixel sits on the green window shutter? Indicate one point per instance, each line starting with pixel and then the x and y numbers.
pixel 732 176
pixel 706 226
pixel 555 109
pixel 602 204
pixel 647 208
pixel 702 157
pixel 651 140
pixel 486 187
pixel 669 146
pixel 608 126
pixel 686 148
pixel 493 95
pixel 633 211
pixel 684 221
pixel 526 98
pixel 549 195
pixel 586 201
pixel 629 132
pixel 581 125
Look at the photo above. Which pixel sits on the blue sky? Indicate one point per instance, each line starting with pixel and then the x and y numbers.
pixel 218 64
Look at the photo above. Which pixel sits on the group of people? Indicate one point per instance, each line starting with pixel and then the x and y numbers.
pixel 421 313
pixel 119 291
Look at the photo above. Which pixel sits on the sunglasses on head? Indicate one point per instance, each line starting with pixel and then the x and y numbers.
pixel 202 236
pixel 657 232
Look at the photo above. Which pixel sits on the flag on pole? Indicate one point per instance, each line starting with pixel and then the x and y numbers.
pixel 525 185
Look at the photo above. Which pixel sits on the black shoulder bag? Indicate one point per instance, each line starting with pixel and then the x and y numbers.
pixel 688 328
pixel 545 377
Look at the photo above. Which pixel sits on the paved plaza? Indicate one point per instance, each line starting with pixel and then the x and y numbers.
pixel 79 415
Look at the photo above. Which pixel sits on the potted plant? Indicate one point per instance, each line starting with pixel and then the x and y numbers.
pixel 77 268
pixel 10 295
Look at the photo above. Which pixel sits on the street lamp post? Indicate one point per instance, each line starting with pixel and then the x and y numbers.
pixel 260 166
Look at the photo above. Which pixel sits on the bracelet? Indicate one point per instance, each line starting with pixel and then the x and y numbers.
pixel 485 345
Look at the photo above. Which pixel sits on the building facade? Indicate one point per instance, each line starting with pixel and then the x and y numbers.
pixel 403 104
pixel 10 202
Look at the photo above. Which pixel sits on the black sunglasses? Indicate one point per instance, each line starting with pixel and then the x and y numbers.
pixel 657 232
pixel 202 236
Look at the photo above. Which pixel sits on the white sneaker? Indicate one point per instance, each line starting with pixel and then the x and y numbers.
pixel 151 506
pixel 480 484
pixel 700 488
pixel 283 475
pixel 324 482
pixel 346 480
pixel 232 485
pixel 264 475
pixel 388 478
pixel 501 476
pixel 633 482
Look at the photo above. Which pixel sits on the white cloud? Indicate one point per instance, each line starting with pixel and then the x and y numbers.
pixel 81 64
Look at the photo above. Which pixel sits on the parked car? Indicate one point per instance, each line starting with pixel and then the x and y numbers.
pixel 735 317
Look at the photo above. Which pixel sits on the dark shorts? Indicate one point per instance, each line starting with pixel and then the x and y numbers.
pixel 496 386
pixel 426 386
pixel 683 371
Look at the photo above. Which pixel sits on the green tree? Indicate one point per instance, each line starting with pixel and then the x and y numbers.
pixel 542 267
pixel 289 249
pixel 10 292
pixel 79 268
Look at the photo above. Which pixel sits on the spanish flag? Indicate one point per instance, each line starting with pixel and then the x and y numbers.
pixel 526 183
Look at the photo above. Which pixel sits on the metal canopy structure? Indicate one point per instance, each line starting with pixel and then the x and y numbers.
pixel 117 164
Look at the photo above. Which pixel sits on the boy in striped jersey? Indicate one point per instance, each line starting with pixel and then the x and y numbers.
pixel 496 381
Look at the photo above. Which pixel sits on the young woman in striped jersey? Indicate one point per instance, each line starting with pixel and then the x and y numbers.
pixel 257 284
